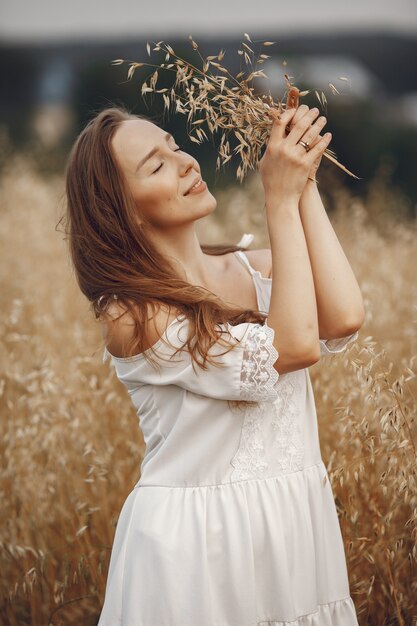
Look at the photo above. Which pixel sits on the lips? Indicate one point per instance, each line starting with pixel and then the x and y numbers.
pixel 197 180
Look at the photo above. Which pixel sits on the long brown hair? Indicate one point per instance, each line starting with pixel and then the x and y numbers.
pixel 112 256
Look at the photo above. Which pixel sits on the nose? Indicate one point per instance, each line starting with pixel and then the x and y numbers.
pixel 187 162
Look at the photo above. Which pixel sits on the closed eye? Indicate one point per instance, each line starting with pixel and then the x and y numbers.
pixel 158 168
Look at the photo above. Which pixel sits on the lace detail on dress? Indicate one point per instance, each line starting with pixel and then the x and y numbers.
pixel 258 375
pixel 250 459
pixel 288 449
pixel 271 441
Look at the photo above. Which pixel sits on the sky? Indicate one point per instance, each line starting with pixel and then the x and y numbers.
pixel 60 20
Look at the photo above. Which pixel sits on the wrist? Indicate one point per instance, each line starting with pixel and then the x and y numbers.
pixel 278 209
pixel 277 203
pixel 311 188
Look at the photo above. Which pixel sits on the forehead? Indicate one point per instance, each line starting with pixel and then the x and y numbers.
pixel 134 138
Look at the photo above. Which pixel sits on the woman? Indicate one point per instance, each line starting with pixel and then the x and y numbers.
pixel 232 521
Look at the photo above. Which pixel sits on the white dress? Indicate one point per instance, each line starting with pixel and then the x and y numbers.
pixel 233 520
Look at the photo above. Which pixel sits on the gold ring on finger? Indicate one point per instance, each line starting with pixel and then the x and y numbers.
pixel 305 145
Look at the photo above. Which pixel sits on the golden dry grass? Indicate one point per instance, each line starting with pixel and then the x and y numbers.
pixel 71 447
pixel 212 97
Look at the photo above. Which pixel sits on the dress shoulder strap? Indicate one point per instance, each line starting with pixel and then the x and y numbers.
pixel 245 242
pixel 245 261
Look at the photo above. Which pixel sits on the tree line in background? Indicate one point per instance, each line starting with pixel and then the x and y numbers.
pixel 364 134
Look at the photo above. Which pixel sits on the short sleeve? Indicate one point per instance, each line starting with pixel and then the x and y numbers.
pixel 246 372
pixel 339 344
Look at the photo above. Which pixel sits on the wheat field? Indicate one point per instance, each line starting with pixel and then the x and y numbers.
pixel 70 443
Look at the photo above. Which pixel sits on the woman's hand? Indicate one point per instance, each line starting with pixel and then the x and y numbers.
pixel 286 165
pixel 292 103
pixel 300 112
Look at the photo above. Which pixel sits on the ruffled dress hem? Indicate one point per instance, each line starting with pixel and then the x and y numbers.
pixel 338 613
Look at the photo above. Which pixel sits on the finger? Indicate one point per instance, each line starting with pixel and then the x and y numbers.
pixel 319 146
pixel 302 110
pixel 315 142
pixel 292 98
pixel 301 127
pixel 292 103
pixel 280 122
pixel 314 130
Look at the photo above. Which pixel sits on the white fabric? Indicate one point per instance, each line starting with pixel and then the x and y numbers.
pixel 233 521
pixel 246 240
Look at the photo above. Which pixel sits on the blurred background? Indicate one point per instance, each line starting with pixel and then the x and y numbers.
pixel 55 71
pixel 69 439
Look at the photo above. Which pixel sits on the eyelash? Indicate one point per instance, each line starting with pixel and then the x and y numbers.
pixel 158 168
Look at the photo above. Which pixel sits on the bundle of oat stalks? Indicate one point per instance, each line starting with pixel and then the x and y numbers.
pixel 223 103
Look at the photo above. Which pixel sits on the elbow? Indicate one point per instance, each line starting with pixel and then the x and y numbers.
pixel 313 355
pixel 356 319
pixel 297 359
pixel 355 323
pixel 348 326
pixel 308 354
pixel 360 319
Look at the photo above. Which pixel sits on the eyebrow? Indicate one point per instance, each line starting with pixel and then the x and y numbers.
pixel 168 136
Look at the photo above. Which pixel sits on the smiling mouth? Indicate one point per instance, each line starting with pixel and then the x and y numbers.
pixel 197 187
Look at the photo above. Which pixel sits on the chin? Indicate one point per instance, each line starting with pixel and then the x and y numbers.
pixel 211 205
pixel 202 207
pixel 206 206
pixel 211 199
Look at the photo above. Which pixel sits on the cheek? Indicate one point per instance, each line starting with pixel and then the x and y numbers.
pixel 163 200
pixel 147 195
pixel 156 198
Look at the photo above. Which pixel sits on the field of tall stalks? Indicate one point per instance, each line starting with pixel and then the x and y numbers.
pixel 70 443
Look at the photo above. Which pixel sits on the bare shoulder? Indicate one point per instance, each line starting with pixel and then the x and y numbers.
pixel 118 327
pixel 261 260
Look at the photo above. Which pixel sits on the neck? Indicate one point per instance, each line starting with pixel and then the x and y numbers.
pixel 182 247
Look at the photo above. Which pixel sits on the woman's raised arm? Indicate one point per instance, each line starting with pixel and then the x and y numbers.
pixel 284 169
